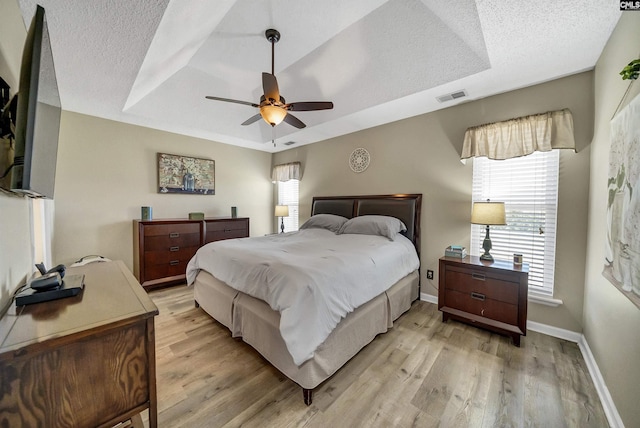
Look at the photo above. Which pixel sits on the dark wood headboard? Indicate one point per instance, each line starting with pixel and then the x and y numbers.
pixel 404 207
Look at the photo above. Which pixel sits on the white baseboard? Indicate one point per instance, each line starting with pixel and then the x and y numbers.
pixel 610 409
pixel 549 330
pixel 609 406
pixel 429 298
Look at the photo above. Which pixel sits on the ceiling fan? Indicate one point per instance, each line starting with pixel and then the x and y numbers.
pixel 273 107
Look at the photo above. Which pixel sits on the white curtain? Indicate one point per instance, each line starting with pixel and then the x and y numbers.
pixel 519 137
pixel 286 172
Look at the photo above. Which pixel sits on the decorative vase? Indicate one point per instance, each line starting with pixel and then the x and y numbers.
pixel 189 182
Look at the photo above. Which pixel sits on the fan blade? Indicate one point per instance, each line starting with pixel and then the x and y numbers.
pixel 228 100
pixel 252 119
pixel 294 121
pixel 270 86
pixel 310 106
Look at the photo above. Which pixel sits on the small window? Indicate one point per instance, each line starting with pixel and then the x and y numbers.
pixel 528 186
pixel 288 195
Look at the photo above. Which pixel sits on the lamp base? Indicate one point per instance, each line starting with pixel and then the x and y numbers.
pixel 281 224
pixel 486 257
pixel 486 245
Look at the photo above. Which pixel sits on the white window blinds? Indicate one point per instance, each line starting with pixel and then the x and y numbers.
pixel 288 195
pixel 528 186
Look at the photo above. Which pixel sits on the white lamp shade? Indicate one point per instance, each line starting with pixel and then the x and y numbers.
pixel 488 213
pixel 282 211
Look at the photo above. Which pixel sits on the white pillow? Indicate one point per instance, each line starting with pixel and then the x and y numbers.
pixel 325 221
pixel 381 225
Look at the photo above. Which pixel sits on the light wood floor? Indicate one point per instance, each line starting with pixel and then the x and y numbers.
pixel 422 373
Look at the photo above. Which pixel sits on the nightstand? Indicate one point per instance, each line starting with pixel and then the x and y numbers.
pixel 490 295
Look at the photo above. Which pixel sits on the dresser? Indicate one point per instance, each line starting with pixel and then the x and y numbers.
pixel 162 248
pixel 81 361
pixel 491 295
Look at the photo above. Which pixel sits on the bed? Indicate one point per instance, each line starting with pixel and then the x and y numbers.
pixel 253 319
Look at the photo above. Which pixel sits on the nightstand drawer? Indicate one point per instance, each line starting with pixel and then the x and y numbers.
pixel 477 304
pixel 468 282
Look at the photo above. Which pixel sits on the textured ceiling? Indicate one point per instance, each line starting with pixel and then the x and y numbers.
pixel 151 63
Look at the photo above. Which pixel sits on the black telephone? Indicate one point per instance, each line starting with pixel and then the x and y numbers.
pixel 60 269
pixel 46 282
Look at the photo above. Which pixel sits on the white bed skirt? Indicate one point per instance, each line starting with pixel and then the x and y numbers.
pixel 258 325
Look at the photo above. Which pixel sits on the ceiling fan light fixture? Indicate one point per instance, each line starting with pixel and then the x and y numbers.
pixel 273 115
pixel 273 108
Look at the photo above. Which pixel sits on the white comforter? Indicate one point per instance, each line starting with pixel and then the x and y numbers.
pixel 313 277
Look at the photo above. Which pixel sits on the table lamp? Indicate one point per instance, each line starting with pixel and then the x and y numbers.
pixel 488 213
pixel 282 211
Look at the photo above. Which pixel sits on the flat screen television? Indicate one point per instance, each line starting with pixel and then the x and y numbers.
pixel 38 115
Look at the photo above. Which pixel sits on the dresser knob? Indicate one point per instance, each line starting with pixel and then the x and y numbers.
pixel 482 312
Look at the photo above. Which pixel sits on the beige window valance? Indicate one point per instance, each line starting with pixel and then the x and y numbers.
pixel 519 137
pixel 286 172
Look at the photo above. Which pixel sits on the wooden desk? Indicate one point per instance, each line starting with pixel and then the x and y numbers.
pixel 82 361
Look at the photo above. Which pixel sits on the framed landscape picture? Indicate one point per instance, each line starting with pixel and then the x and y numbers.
pixel 182 174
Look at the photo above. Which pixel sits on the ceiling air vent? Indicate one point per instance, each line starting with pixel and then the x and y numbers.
pixel 288 143
pixel 452 96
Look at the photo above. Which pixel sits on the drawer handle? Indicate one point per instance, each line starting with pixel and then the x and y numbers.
pixel 174 248
pixel 477 296
pixel 227 230
pixel 478 276
pixel 174 235
pixel 174 262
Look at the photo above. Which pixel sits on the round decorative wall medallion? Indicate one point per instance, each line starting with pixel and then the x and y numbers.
pixel 359 160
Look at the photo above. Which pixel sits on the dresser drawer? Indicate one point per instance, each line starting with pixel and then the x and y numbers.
pixel 167 242
pixel 467 281
pixel 226 229
pixel 484 307
pixel 171 229
pixel 170 269
pixel 175 253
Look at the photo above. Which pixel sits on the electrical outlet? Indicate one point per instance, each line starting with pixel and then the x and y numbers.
pixel 429 274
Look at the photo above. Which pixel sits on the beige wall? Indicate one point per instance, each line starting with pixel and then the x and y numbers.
pixel 421 155
pixel 15 231
pixel 107 170
pixel 611 321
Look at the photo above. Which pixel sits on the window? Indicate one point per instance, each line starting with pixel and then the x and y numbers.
pixel 288 195
pixel 528 186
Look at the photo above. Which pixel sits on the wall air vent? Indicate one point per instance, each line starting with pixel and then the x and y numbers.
pixel 452 96
pixel 288 143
